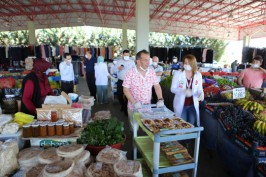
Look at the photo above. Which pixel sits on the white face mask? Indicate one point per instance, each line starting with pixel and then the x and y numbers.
pixel 86 56
pixel 255 66
pixel 142 69
pixel 174 60
pixel 126 57
pixel 187 67
pixel 155 64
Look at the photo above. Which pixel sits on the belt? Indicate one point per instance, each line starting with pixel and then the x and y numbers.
pixel 67 81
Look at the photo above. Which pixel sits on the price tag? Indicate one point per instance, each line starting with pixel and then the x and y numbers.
pixel 239 93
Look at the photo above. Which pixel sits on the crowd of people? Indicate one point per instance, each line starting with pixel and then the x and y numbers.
pixel 138 82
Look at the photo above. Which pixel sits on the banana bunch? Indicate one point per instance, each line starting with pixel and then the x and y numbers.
pixel 250 105
pixel 260 127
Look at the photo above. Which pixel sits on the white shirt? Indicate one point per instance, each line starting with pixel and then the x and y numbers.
pixel 157 70
pixel 66 71
pixel 101 73
pixel 128 64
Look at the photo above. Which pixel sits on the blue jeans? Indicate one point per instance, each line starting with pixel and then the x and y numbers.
pixel 189 114
pixel 102 93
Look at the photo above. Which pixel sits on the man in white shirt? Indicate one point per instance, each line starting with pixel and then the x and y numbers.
pixel 67 74
pixel 159 71
pixel 122 66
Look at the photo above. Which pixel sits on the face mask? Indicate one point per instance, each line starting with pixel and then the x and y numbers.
pixel 187 67
pixel 47 71
pixel 255 66
pixel 154 64
pixel 142 69
pixel 174 60
pixel 86 56
pixel 126 57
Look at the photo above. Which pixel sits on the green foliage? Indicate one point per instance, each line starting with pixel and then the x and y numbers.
pixel 103 132
pixel 167 82
pixel 102 37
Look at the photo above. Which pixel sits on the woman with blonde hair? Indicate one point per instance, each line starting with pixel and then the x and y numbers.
pixel 187 87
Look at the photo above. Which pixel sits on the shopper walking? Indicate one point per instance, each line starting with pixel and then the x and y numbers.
pixel 123 66
pixel 35 87
pixel 101 75
pixel 90 72
pixel 67 74
pixel 187 87
pixel 138 85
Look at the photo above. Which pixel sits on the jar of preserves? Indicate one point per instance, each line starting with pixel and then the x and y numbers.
pixel 53 116
pixel 66 129
pixel 51 129
pixel 26 131
pixel 59 129
pixel 35 130
pixel 71 127
pixel 43 130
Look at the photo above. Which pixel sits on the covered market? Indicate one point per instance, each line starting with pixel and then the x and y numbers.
pixel 132 88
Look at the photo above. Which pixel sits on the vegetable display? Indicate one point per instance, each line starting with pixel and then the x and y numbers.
pixel 167 82
pixel 225 82
pixel 103 132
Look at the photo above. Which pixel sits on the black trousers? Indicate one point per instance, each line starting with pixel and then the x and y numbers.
pixel 154 96
pixel 90 77
pixel 67 86
pixel 120 95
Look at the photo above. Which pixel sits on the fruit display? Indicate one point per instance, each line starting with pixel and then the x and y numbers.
pixel 225 82
pixel 227 95
pixel 240 123
pixel 211 91
pixel 249 105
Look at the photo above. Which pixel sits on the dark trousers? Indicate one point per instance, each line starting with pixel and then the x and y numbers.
pixel 154 96
pixel 90 77
pixel 67 86
pixel 120 95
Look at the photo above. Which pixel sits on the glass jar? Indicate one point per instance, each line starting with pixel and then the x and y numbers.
pixel 59 129
pixel 71 127
pixel 51 129
pixel 35 130
pixel 66 129
pixel 26 131
pixel 53 116
pixel 43 130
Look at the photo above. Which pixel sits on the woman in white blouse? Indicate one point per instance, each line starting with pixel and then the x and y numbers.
pixel 101 76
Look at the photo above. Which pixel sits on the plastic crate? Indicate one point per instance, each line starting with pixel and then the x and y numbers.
pixel 151 112
pixel 16 136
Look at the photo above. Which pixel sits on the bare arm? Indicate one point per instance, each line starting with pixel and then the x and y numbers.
pixel 129 95
pixel 159 73
pixel 239 80
pixel 158 91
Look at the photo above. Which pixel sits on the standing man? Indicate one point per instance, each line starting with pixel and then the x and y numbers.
pixel 254 76
pixel 138 84
pixel 67 74
pixel 90 72
pixel 175 65
pixel 122 66
pixel 234 66
pixel 159 71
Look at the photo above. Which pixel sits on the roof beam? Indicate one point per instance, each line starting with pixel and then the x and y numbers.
pixel 159 8
pixel 98 11
pixel 132 11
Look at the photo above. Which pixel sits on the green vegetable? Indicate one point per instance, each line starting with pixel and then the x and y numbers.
pixel 103 132
pixel 167 82
pixel 225 82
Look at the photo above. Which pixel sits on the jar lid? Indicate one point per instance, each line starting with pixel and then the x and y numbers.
pixel 70 123
pixel 35 125
pixel 51 124
pixel 26 126
pixel 66 124
pixel 59 123
pixel 43 124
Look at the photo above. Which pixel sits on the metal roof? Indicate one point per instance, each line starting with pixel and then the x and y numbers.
pixel 224 19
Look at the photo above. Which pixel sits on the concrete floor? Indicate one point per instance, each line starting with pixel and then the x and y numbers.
pixel 209 162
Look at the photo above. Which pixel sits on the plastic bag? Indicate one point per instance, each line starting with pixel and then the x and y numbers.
pixel 55 100
pixel 128 168
pixel 110 155
pixel 86 101
pixel 100 170
pixel 73 115
pixel 44 114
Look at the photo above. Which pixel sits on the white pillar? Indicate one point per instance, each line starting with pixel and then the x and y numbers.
pixel 31 28
pixel 124 36
pixel 246 41
pixel 143 27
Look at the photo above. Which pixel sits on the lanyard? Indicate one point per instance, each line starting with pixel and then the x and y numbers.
pixel 189 83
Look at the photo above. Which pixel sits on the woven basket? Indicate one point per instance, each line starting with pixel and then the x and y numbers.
pixel 10 105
